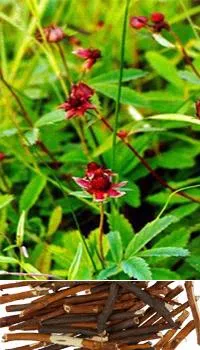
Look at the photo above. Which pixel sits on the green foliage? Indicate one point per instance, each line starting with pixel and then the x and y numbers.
pixel 148 233
pixel 137 267
pixel 31 192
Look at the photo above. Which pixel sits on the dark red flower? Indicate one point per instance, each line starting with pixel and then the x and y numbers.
pixel 73 40
pixel 122 134
pixel 52 34
pixel 157 17
pixel 197 105
pixel 96 169
pixel 159 22
pixel 90 55
pixel 79 101
pixel 2 156
pixel 98 182
pixel 138 22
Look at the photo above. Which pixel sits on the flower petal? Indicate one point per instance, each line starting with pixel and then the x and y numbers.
pixel 82 182
pixel 115 194
pixel 99 196
pixel 120 184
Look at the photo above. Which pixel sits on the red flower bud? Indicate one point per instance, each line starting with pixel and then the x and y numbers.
pixel 2 156
pixel 122 134
pixel 157 17
pixel 90 55
pixel 52 34
pixel 138 22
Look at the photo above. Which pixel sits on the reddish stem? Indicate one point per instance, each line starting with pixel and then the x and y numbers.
pixel 147 165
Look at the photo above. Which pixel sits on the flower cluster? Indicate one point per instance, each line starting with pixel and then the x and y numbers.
pixel 155 23
pixel 52 34
pixel 79 101
pixel 90 55
pixel 98 182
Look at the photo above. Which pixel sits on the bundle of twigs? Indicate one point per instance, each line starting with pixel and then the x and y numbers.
pixel 99 315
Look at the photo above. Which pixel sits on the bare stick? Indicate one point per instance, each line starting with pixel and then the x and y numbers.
pixel 194 307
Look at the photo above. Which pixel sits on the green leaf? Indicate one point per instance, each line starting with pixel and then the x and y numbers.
pixel 20 229
pixel 194 261
pixel 184 210
pixel 118 222
pixel 8 260
pixel 128 96
pixel 5 199
pixel 164 67
pixel 165 251
pixel 31 269
pixel 176 117
pixel 32 136
pixel 75 265
pixel 162 41
pixel 113 76
pixel 132 197
pixel 164 274
pixel 55 220
pixel 150 231
pixel 116 247
pixel 32 191
pixel 189 76
pixel 51 118
pixel 137 268
pixel 178 238
pixel 110 271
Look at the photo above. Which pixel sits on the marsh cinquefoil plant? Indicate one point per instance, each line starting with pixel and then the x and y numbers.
pixel 139 219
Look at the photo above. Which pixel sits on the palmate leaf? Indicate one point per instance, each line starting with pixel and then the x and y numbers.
pixel 110 271
pixel 165 251
pixel 32 191
pixel 116 247
pixel 118 222
pixel 137 268
pixel 150 231
pixel 113 76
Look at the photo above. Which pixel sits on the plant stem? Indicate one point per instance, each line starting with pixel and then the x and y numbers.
pixel 62 55
pixel 185 55
pixel 120 82
pixel 147 165
pixel 24 112
pixel 27 117
pixel 101 223
pixel 80 131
